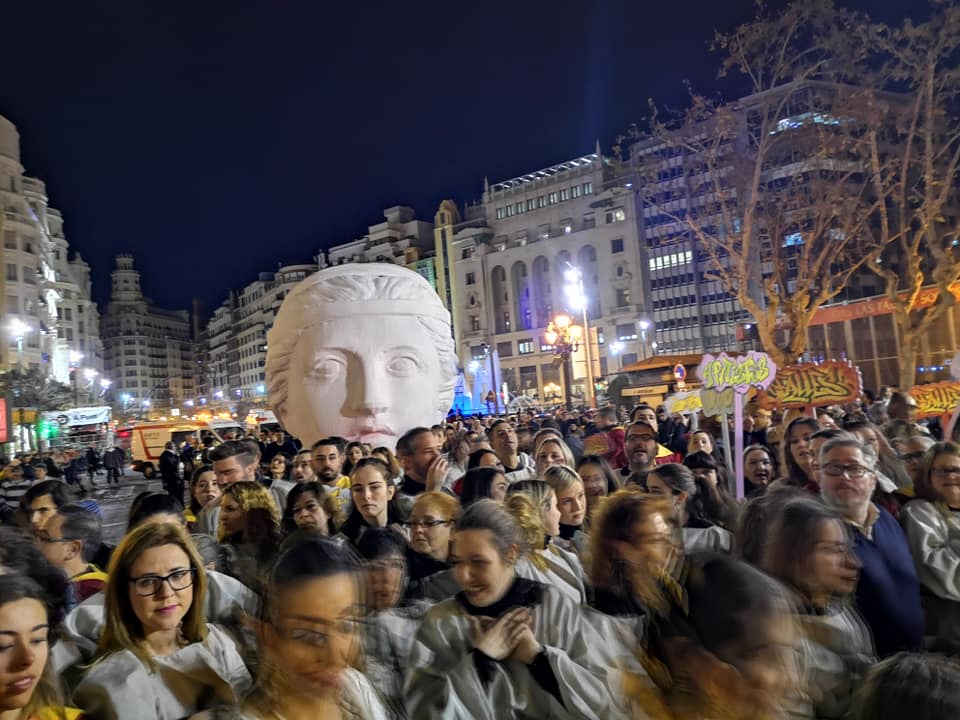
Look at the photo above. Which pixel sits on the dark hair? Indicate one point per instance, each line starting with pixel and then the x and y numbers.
pixel 920 686
pixel 923 488
pixel 246 451
pixel 756 520
pixel 287 465
pixel 355 524
pixel 338 442
pixel 376 543
pixel 324 499
pixel 20 555
pixel 82 524
pixel 637 408
pixel 477 483
pixel 150 504
pixel 703 505
pixel 347 463
pixel 195 505
pixel 613 479
pixel 56 489
pixel 408 440
pixel 792 537
pixel 473 460
pixel 485 514
pixel 794 475
pixel 494 424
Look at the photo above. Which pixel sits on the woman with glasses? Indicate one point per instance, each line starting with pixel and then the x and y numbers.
pixel 309 637
pixel 309 505
pixel 810 549
pixel 281 466
pixel 932 524
pixel 505 646
pixel 374 499
pixel 431 518
pixel 158 658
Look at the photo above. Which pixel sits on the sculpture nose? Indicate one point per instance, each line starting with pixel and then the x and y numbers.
pixel 368 388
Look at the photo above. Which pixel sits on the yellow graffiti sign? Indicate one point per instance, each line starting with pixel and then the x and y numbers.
pixel 936 398
pixel 740 372
pixel 811 384
pixel 683 402
pixel 716 402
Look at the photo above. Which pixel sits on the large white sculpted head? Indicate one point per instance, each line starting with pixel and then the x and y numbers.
pixel 360 351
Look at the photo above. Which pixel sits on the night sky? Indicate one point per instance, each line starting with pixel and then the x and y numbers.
pixel 214 140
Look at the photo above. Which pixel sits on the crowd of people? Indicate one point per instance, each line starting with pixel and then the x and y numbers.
pixel 583 564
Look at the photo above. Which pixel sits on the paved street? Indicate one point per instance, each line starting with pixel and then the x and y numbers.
pixel 115 501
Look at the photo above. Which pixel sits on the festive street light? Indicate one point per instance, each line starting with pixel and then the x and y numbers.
pixel 564 337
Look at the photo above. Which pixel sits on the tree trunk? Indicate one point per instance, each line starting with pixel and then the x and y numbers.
pixel 909 340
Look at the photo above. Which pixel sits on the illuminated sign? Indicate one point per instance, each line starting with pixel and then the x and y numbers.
pixel 811 384
pixel 936 398
pixel 683 403
pixel 4 421
pixel 740 372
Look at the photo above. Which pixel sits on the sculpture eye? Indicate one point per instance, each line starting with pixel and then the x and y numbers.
pixel 403 365
pixel 326 368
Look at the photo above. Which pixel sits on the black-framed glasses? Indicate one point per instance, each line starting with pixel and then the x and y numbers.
pixel 913 457
pixel 425 524
pixel 838 470
pixel 147 585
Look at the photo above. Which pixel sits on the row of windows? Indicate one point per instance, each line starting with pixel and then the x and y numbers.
pixel 542 201
pixel 29 274
pixel 10 242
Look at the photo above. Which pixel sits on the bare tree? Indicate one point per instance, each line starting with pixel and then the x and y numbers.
pixel 774 190
pixel 915 154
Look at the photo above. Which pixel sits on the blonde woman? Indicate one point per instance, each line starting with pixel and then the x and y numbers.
pixel 249 531
pixel 158 658
pixel 572 502
pixel 551 450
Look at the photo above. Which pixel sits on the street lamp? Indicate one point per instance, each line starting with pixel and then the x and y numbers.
pixel 18 329
pixel 577 300
pixel 564 337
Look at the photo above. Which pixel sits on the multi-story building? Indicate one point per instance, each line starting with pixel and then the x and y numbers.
pixel 149 352
pixel 503 270
pixel 49 317
pixel 401 239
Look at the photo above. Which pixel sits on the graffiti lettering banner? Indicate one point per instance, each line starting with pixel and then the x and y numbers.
pixel 812 384
pixel 683 402
pixel 936 398
pixel 716 403
pixel 740 372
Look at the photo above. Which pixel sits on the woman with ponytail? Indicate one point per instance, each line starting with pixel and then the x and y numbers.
pixel 695 506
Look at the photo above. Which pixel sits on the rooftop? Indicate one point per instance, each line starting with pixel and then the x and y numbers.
pixel 546 173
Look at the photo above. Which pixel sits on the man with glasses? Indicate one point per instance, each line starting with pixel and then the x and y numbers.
pixel 888 592
pixel 70 541
pixel 641 447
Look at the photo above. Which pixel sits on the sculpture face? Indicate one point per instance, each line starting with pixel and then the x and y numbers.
pixel 366 377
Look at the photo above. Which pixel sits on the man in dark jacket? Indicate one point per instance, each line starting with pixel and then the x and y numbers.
pixel 170 472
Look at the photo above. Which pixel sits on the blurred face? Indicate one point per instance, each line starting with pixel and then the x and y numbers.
pixel 326 461
pixel 430 531
pixel 426 450
pixel 231 470
pixel 833 566
pixel 868 436
pixel 165 608
pixel 385 581
pixel 912 453
pixel 41 510
pixel 641 447
pixel 57 549
pixel 371 492
pixel 355 454
pixel 39 473
pixel 308 512
pixel 648 415
pixel 799 443
pixel 826 421
pixel 761 419
pixel 573 504
pixel 708 475
pixel 594 483
pixel 551 517
pixel 232 516
pixel 498 488
pixel 846 481
pixel 207 490
pixel 700 442
pixel 758 468
pixel 648 551
pixel 490 460
pixel 302 468
pixel 503 440
pixel 483 574
pixel 278 466
pixel 766 664
pixel 313 637
pixel 23 652
pixel 548 455
pixel 945 479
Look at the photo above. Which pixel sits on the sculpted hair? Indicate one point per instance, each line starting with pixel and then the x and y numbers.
pixel 355 284
pixel 122 629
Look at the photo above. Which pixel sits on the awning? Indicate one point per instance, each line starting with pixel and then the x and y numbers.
pixel 657 362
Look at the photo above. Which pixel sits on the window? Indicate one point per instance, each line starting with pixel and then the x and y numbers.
pixel 466 253
pixel 13 304
pixel 11 272
pixel 531 204
pixel 588 188
pixel 471 278
pixel 616 245
pixel 545 346
pixel 519 208
pixel 505 349
pixel 499 213
pixel 28 246
pixel 589 221
pixel 552 198
pixel 509 210
pixel 575 191
pixel 616 215
pixel 626 332
pixel 474 323
pixel 623 298
pixel 541 201
pixel 506 321
pixel 525 347
pixel 10 240
pixel 564 195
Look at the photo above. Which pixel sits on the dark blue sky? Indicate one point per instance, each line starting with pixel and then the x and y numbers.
pixel 215 139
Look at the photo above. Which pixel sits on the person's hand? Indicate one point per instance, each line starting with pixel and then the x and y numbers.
pixel 748 423
pixel 527 647
pixel 437 474
pixel 499 639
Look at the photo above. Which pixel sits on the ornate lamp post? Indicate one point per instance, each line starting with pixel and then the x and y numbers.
pixel 565 338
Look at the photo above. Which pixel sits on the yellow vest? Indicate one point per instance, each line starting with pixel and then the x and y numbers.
pixel 64 713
